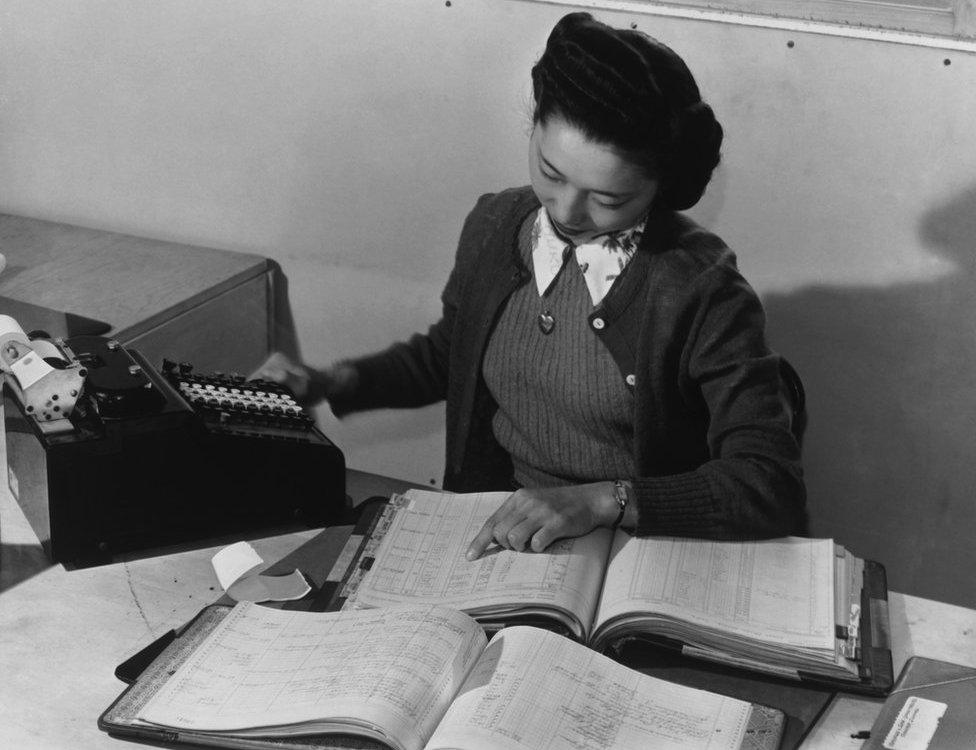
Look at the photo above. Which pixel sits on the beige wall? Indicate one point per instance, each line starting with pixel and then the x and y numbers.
pixel 348 139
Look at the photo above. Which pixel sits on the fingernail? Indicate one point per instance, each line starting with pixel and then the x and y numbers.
pixel 471 555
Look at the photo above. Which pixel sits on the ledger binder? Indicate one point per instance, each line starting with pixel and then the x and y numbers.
pixel 258 677
pixel 796 609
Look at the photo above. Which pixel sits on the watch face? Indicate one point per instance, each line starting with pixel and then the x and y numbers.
pixel 621 495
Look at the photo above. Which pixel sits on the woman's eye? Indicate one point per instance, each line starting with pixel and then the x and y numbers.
pixel 610 206
pixel 550 177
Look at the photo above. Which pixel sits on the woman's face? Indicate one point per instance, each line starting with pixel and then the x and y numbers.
pixel 588 188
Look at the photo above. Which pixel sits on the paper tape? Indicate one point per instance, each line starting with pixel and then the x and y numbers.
pixel 30 369
pixel 47 349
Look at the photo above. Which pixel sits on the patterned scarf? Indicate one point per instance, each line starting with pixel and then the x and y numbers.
pixel 601 260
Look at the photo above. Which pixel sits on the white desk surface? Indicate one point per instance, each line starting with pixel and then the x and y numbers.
pixel 63 632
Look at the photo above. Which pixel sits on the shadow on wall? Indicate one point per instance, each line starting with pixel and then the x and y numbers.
pixel 890 452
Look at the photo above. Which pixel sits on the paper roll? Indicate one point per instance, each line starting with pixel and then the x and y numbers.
pixel 10 330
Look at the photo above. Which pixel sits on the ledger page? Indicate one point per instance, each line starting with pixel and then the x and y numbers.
pixel 422 559
pixel 776 590
pixel 395 669
pixel 532 689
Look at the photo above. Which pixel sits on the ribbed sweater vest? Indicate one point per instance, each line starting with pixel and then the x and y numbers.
pixel 564 413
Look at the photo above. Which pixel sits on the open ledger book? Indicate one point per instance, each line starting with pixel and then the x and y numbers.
pixel 793 607
pixel 415 677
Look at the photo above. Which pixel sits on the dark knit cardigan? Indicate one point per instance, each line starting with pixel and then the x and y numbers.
pixel 713 448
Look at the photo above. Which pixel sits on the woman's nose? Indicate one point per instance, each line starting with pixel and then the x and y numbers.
pixel 567 208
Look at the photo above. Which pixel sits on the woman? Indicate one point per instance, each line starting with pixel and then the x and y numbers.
pixel 599 353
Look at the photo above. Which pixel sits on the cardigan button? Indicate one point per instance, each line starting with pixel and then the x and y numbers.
pixel 631 380
pixel 598 324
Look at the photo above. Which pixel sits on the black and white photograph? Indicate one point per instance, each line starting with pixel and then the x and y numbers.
pixel 488 374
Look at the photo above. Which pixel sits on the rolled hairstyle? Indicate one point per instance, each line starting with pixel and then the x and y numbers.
pixel 627 90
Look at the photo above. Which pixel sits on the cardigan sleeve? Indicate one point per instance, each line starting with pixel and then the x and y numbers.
pixel 750 484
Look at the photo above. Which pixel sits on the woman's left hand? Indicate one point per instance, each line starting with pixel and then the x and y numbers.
pixel 534 519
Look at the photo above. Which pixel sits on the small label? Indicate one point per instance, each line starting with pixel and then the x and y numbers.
pixel 916 724
pixel 345 558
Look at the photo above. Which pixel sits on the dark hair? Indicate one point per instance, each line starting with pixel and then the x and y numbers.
pixel 623 88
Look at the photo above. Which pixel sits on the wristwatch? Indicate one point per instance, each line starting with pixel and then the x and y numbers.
pixel 621 493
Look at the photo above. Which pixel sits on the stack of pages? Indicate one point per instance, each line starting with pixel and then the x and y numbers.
pixel 413 677
pixel 794 607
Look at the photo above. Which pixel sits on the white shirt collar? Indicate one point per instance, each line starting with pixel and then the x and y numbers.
pixel 601 260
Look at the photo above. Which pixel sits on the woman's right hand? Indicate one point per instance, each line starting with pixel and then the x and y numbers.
pixel 307 385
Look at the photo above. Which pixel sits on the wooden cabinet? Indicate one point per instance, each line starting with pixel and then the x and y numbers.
pixel 210 307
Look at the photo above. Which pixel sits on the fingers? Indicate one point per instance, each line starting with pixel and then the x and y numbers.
pixel 515 526
pixel 481 541
pixel 520 535
pixel 534 519
pixel 543 538
pixel 275 368
pixel 494 529
pixel 280 369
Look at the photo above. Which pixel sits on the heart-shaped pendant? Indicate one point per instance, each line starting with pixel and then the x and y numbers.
pixel 546 322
